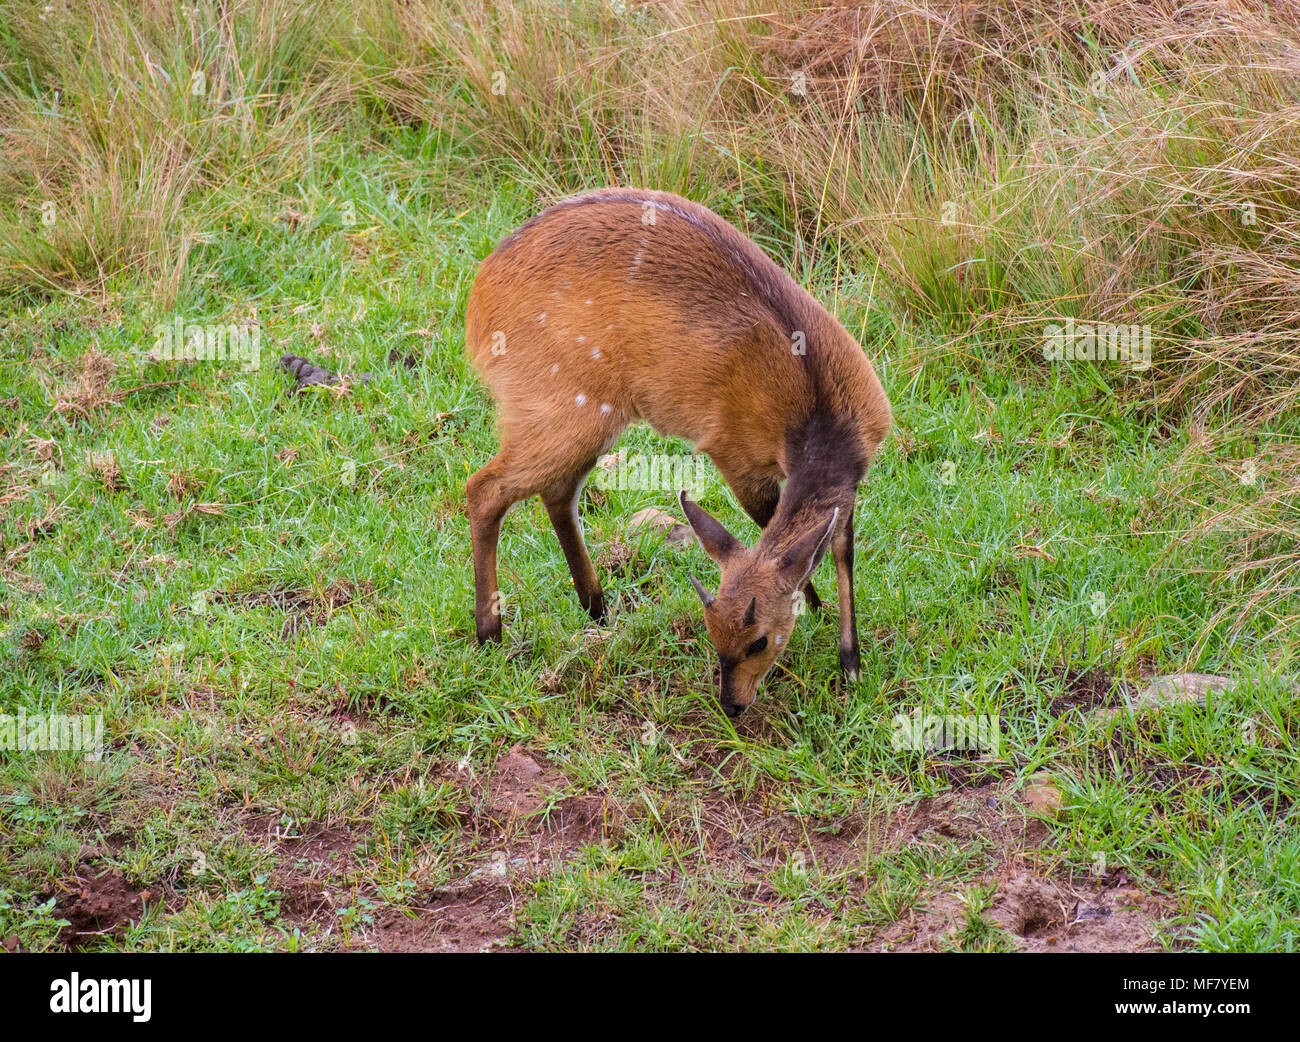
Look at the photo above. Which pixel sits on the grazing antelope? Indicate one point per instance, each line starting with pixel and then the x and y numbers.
pixel 621 305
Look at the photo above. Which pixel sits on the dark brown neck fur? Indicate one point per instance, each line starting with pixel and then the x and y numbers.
pixel 825 470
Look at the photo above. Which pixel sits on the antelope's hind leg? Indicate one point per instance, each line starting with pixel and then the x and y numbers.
pixel 489 493
pixel 561 502
pixel 534 460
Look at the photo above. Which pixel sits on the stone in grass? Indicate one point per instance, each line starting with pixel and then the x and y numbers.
pixel 1043 797
pixel 1174 689
pixel 652 518
pixel 495 871
pixel 305 374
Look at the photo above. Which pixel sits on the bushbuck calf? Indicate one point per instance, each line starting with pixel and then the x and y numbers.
pixel 621 305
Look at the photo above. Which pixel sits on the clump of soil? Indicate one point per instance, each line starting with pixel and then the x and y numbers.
pixel 1038 911
pixel 521 787
pixel 103 905
pixel 1086 689
pixel 302 607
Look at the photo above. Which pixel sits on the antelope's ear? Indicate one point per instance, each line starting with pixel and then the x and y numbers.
pixel 718 543
pixel 799 561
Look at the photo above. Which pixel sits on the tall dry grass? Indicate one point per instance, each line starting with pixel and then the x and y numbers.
pixel 982 169
pixel 124 121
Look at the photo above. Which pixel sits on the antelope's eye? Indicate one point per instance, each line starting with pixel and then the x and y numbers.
pixel 757 646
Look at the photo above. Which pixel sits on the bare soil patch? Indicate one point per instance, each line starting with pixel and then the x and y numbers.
pixel 1039 909
pixel 302 607
pixel 1086 689
pixel 103 904
pixel 1040 914
pixel 528 827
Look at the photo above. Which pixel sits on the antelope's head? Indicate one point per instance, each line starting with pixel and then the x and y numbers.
pixel 752 615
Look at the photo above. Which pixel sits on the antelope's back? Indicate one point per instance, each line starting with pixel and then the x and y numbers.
pixel 654 307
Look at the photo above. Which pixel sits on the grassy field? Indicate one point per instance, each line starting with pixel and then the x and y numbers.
pixel 267 594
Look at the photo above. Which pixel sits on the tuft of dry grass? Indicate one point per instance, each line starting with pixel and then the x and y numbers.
pixel 88 390
pixel 121 124
pixel 105 467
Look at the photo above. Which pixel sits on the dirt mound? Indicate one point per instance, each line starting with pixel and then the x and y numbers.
pixel 522 787
pixel 103 905
pixel 1038 910
pixel 476 919
pixel 529 827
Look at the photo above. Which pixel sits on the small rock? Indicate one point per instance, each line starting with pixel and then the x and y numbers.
pixel 654 518
pixel 1043 797
pixel 1174 689
pixel 497 868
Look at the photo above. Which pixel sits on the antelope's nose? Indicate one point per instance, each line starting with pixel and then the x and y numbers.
pixel 732 710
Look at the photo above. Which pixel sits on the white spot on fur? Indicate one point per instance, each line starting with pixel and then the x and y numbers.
pixel 555 369
pixel 541 317
pixel 581 339
pixel 581 400
pixel 595 352
pixel 636 261
pixel 606 408
pixel 588 300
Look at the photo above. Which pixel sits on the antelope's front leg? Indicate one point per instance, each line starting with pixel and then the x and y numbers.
pixel 842 550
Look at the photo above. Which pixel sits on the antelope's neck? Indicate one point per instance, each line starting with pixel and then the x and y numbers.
pixel 825 468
